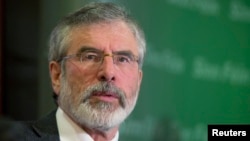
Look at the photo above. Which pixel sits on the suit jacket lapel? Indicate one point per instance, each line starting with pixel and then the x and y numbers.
pixel 46 128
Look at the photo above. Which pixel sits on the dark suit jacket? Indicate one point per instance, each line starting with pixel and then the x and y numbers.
pixel 44 129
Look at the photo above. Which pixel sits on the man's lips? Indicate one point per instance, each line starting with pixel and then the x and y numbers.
pixel 105 96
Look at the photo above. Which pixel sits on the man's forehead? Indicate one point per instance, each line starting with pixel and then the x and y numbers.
pixel 96 36
pixel 96 50
pixel 112 26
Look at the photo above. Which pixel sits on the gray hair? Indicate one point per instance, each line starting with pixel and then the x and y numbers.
pixel 91 14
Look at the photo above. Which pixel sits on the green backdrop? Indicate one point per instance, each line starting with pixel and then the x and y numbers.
pixel 197 68
pixel 196 71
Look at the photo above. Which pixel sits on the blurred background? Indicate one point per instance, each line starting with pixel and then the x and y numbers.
pixel 196 71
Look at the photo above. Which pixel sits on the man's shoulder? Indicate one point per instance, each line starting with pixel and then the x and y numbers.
pixel 43 129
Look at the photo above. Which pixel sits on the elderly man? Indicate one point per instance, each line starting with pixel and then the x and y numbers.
pixel 95 64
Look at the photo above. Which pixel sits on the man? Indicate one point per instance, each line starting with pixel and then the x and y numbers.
pixel 95 64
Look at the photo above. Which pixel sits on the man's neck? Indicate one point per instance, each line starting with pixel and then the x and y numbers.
pixel 98 135
pixel 69 130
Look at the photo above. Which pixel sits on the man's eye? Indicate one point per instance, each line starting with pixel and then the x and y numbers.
pixel 90 57
pixel 123 59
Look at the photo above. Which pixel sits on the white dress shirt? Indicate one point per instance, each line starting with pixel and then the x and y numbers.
pixel 70 131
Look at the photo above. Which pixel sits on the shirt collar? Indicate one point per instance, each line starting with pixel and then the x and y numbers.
pixel 70 131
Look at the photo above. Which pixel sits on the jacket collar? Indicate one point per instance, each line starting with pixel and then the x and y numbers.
pixel 46 128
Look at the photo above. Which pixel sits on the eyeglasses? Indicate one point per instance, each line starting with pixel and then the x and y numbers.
pixel 123 60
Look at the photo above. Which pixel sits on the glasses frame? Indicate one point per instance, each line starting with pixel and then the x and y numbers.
pixel 80 55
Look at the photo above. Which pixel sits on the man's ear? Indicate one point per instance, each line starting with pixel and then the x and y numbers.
pixel 140 77
pixel 55 73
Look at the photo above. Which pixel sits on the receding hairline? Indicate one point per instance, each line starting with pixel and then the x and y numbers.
pixel 82 17
pixel 84 28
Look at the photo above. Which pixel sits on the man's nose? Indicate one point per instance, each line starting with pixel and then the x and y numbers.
pixel 107 69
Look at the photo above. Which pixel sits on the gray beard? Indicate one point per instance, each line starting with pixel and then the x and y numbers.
pixel 102 115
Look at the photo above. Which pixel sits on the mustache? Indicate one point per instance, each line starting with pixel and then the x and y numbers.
pixel 105 87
